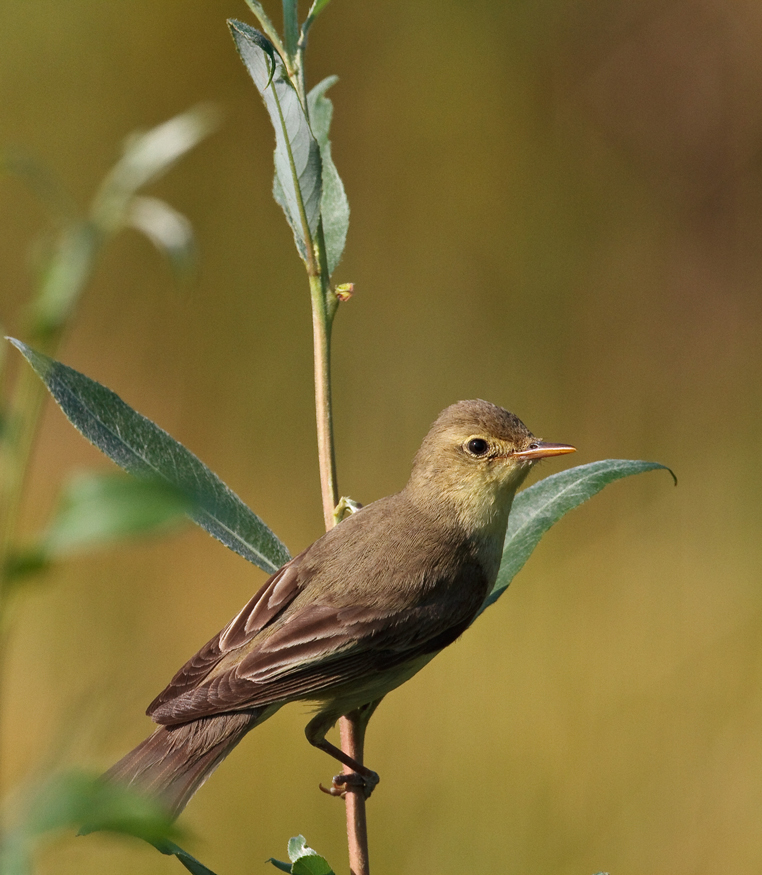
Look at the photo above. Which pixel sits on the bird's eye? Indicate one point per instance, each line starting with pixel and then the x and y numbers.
pixel 477 447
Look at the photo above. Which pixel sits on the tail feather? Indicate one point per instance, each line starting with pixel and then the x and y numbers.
pixel 174 762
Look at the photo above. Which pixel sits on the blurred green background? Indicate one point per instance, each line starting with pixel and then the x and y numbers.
pixel 557 207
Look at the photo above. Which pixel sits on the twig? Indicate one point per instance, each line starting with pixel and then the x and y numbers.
pixel 352 731
pixel 322 319
pixel 351 727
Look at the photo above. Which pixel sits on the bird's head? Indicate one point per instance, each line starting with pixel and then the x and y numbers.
pixel 473 460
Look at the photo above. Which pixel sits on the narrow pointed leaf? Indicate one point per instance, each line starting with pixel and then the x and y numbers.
pixel 290 25
pixel 101 508
pixel 169 231
pixel 190 862
pixel 538 507
pixel 264 21
pixel 146 451
pixel 64 801
pixel 148 155
pixel 317 7
pixel 298 185
pixel 334 206
pixel 72 256
pixel 68 267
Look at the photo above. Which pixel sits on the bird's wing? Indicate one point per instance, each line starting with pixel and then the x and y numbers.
pixel 269 601
pixel 318 648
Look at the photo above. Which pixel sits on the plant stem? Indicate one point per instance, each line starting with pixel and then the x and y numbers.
pixel 321 336
pixel 352 726
pixel 24 412
pixel 352 733
pixel 65 279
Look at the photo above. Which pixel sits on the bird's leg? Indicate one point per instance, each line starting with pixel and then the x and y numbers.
pixel 360 776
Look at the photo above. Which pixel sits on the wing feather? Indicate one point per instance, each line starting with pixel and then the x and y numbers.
pixel 264 606
pixel 338 614
pixel 313 654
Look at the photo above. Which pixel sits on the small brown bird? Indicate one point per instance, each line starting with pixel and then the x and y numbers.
pixel 356 614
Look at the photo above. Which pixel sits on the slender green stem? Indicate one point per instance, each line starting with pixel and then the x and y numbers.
pixel 268 28
pixel 71 269
pixel 351 727
pixel 324 305
pixel 23 415
pixel 299 78
pixel 290 26
pixel 321 334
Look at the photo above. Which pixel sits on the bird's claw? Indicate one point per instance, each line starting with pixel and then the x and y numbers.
pixel 334 790
pixel 342 784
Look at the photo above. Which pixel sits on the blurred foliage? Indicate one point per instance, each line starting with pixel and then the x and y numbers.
pixel 70 255
pixel 94 509
pixel 556 207
pixel 68 800
pixel 99 510
pixel 188 860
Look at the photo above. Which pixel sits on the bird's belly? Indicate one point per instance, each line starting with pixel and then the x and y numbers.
pixel 346 697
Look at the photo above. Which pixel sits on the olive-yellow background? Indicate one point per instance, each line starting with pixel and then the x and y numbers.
pixel 556 206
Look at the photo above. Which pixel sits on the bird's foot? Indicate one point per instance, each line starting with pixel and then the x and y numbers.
pixel 341 784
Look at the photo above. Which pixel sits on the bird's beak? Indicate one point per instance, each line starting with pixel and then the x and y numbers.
pixel 541 449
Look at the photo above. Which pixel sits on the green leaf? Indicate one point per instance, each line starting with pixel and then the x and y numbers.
pixel 68 800
pixel 334 206
pixel 147 157
pixel 190 862
pixel 279 864
pixel 65 273
pixel 169 231
pixel 267 26
pixel 290 25
pixel 22 564
pixel 100 805
pixel 102 508
pixel 297 847
pixel 146 451
pixel 317 7
pixel 298 185
pixel 536 509
pixel 305 860
pixel 312 865
pixel 77 244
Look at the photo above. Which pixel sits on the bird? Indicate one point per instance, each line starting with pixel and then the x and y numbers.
pixel 354 615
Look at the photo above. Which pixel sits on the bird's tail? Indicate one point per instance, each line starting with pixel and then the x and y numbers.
pixel 174 762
